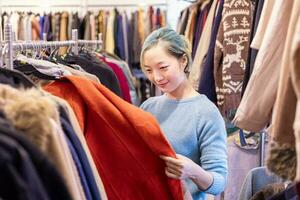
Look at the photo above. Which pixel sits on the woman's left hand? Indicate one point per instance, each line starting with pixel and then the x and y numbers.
pixel 180 167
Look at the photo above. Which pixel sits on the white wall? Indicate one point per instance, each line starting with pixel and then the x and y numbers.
pixel 40 6
pixel 173 7
pixel 80 6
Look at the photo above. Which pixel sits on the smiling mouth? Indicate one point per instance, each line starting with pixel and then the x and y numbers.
pixel 162 85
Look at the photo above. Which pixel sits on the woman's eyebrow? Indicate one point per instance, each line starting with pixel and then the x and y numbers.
pixel 159 63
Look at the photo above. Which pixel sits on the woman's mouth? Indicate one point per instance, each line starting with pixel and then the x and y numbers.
pixel 162 84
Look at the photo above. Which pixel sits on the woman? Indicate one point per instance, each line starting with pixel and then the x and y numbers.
pixel 191 123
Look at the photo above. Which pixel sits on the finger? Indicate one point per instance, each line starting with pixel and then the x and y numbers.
pixel 171 160
pixel 174 165
pixel 171 175
pixel 176 172
pixel 175 168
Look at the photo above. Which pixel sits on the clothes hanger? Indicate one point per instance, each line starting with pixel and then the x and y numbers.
pixel 52 56
pixel 29 69
pixel 14 78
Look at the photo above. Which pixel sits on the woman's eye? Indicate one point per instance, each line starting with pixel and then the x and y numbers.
pixel 163 67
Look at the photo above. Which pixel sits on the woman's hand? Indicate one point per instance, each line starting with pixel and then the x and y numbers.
pixel 183 167
pixel 180 167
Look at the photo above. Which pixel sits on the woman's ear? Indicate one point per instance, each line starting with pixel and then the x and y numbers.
pixel 184 60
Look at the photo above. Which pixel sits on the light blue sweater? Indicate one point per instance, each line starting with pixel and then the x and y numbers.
pixel 195 129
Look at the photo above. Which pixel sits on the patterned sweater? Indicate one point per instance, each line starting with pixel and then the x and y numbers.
pixel 231 54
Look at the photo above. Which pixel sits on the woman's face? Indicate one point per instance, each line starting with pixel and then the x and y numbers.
pixel 163 70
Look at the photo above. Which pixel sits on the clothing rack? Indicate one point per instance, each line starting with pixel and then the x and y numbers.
pixel 262 149
pixel 91 5
pixel 10 45
pixel 126 5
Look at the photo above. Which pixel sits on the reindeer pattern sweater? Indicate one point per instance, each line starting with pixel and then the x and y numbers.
pixel 231 52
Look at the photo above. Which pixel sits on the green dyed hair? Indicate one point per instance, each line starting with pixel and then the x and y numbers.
pixel 175 44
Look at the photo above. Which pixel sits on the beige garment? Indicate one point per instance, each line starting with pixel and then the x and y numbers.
pixel 28 28
pixel 202 48
pixel 63 36
pixel 295 76
pixel 1 31
pixel 53 26
pixel 102 26
pixel 87 28
pixel 110 42
pixel 23 32
pixel 21 29
pixel 93 27
pixel 75 72
pixel 14 20
pixel 181 24
pixel 79 133
pixel 68 160
pixel 58 18
pixel 141 29
pixel 70 22
pixel 188 24
pixel 5 20
pixel 263 23
pixel 255 109
pixel 32 113
pixel 190 27
pixel 282 156
pixel 35 28
pixel 147 23
pixel 163 18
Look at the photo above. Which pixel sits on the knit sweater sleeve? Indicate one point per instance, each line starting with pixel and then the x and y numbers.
pixel 213 150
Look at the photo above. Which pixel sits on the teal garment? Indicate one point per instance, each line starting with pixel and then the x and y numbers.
pixel 195 128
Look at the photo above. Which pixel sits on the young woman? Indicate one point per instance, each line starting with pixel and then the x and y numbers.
pixel 191 123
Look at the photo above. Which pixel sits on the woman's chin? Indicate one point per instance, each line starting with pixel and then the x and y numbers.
pixel 164 90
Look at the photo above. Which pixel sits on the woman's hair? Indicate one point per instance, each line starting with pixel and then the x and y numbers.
pixel 175 44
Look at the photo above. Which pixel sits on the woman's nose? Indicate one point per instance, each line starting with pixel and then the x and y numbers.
pixel 158 76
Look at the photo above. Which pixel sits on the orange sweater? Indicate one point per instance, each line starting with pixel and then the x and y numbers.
pixel 125 141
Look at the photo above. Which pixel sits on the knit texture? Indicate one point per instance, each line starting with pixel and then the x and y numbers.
pixel 195 129
pixel 231 54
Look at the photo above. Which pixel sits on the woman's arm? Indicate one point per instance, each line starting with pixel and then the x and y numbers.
pixel 210 176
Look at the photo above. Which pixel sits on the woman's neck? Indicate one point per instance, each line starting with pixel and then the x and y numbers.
pixel 183 91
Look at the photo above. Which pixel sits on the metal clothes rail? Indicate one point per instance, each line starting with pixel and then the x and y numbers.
pixel 10 46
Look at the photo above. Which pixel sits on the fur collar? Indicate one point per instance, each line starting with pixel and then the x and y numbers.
pixel 29 111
